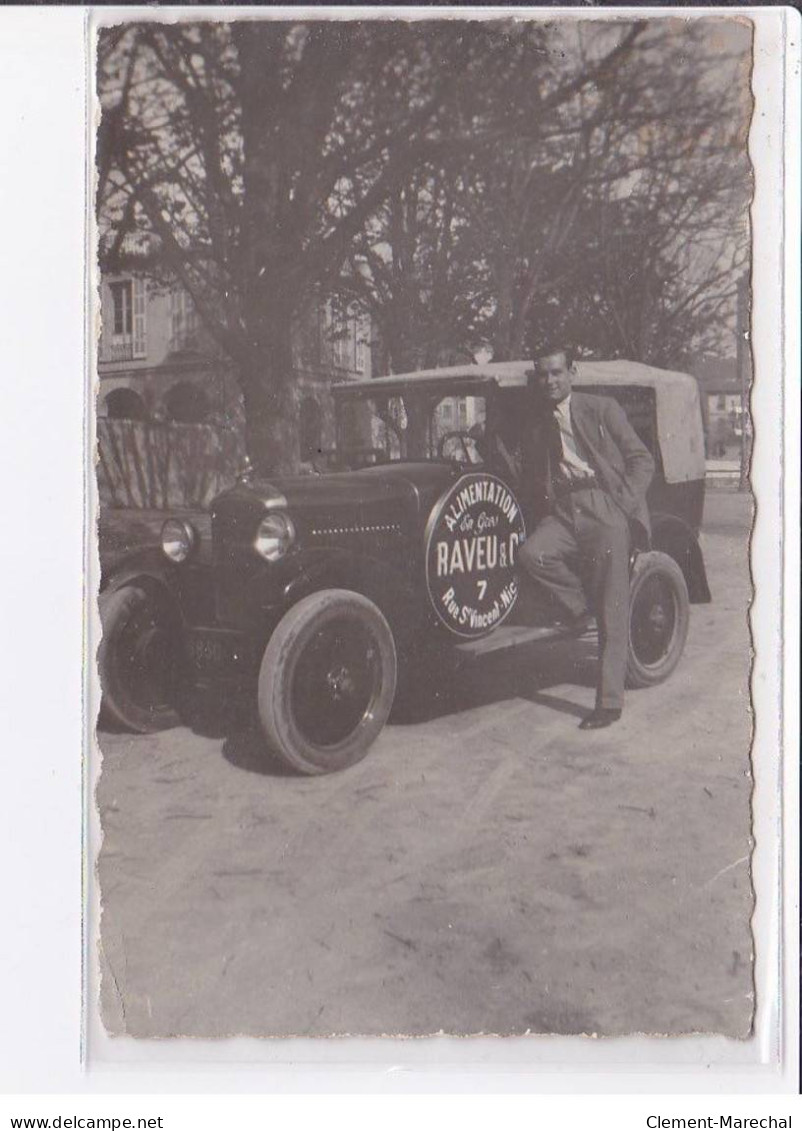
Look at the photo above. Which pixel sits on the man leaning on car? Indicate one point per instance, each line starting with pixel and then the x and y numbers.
pixel 595 475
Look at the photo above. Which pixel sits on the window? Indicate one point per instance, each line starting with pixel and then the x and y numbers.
pixel 452 417
pixel 336 331
pixel 124 335
pixel 349 333
pixel 361 332
pixel 183 320
pixel 410 425
pixel 722 402
pixel 341 351
pixel 122 298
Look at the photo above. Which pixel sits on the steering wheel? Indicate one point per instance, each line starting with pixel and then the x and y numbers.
pixel 465 443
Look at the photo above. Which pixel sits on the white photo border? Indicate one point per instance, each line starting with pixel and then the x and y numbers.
pixel 50 575
pixel 542 1056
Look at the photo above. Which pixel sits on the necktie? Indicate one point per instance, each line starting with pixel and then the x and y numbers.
pixel 554 453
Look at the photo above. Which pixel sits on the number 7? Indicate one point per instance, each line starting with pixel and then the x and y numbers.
pixel 482 587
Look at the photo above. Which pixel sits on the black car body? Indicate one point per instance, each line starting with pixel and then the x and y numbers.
pixel 399 545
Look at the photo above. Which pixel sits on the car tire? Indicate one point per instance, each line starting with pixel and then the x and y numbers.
pixel 659 613
pixel 327 681
pixel 138 661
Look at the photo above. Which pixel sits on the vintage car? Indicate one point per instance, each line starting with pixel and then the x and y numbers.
pixel 333 590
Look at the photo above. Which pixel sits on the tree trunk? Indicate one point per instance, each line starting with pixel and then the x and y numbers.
pixel 398 338
pixel 269 395
pixel 269 248
pixel 504 313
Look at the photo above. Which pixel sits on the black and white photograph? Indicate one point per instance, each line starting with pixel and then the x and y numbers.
pixel 422 444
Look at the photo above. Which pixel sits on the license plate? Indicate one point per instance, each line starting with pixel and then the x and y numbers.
pixel 210 650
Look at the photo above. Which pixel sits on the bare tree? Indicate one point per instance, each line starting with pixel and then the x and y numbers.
pixel 411 269
pixel 461 250
pixel 250 156
pixel 623 227
pixel 525 187
pixel 469 184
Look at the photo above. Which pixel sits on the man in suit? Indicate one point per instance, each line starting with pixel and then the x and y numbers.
pixel 595 473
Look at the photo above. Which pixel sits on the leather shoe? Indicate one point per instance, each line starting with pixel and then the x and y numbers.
pixel 600 717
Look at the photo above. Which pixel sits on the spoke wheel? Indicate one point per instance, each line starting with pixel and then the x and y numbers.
pixel 138 661
pixel 337 679
pixel 327 681
pixel 658 619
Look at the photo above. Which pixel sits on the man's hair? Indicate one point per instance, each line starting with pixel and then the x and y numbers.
pixel 550 351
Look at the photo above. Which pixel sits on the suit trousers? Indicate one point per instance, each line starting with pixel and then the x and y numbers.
pixel 581 551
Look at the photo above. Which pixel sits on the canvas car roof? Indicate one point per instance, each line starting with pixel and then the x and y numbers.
pixel 679 422
pixel 511 374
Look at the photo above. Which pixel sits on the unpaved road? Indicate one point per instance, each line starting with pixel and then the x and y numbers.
pixel 489 869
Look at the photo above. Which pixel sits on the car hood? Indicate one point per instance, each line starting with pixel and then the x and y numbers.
pixel 373 494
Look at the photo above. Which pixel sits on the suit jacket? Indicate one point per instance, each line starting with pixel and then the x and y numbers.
pixel 623 464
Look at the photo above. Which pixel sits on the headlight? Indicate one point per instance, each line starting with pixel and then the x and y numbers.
pixel 274 537
pixel 178 539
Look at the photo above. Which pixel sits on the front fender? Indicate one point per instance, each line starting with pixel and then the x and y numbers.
pixel 390 588
pixel 148 568
pixel 675 538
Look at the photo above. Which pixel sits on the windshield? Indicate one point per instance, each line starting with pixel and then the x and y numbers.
pixel 397 427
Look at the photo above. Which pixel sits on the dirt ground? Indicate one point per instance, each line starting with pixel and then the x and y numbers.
pixel 489 868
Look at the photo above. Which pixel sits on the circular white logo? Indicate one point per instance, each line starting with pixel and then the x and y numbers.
pixel 473 536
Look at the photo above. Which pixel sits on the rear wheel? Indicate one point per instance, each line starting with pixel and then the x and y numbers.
pixel 327 681
pixel 659 613
pixel 138 660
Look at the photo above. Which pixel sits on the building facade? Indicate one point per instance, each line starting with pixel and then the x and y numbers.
pixel 156 362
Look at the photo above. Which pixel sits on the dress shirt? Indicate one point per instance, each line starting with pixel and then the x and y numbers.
pixel 572 466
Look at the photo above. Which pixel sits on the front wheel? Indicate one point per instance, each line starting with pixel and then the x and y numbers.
pixel 138 660
pixel 659 613
pixel 327 681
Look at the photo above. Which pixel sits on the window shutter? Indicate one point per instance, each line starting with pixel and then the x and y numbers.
pixel 140 328
pixel 174 343
pixel 190 318
pixel 359 343
pixel 106 313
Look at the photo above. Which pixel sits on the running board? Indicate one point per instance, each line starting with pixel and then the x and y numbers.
pixel 516 636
